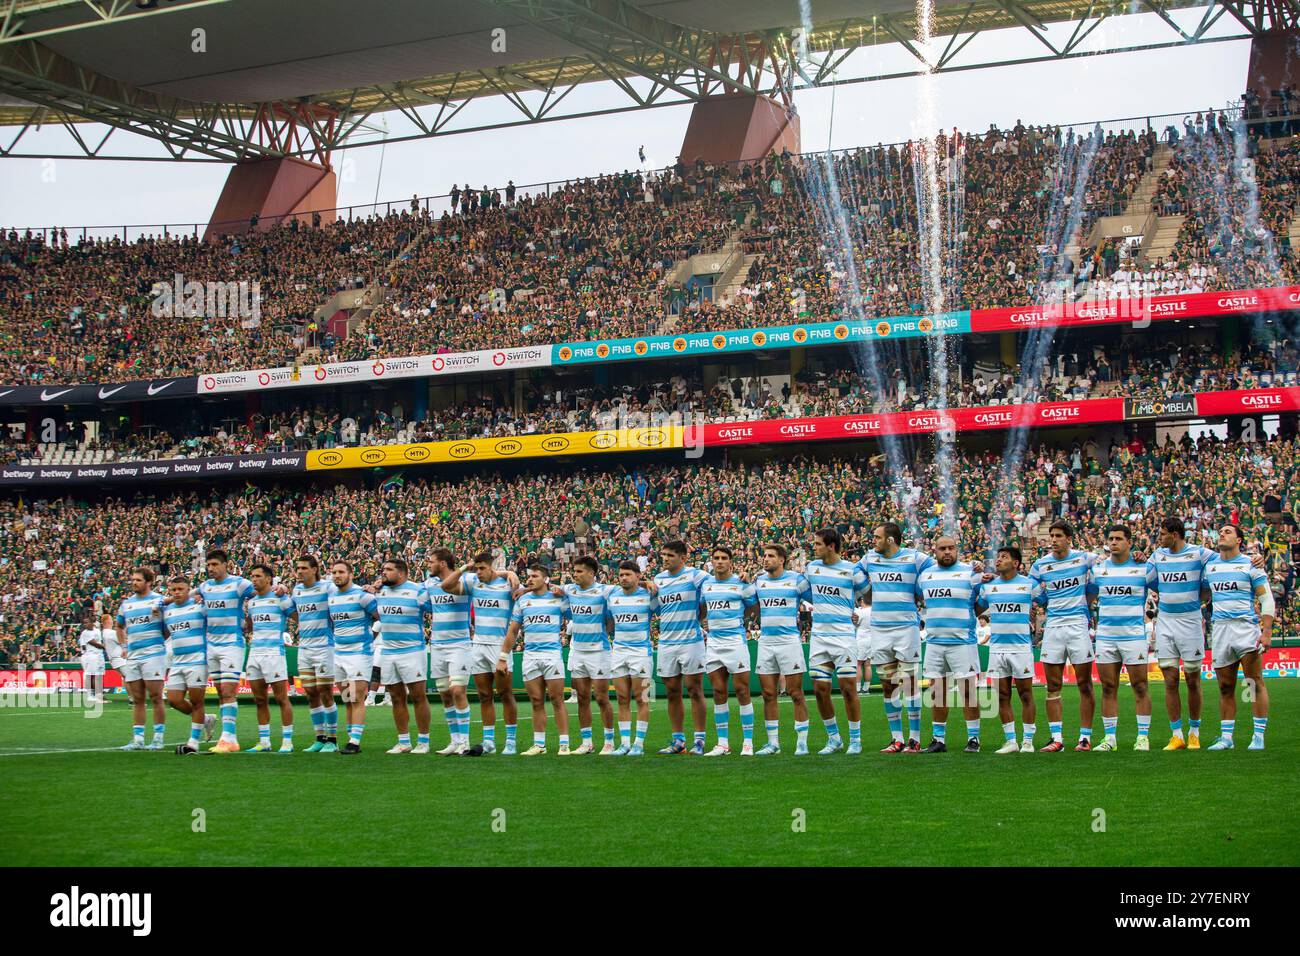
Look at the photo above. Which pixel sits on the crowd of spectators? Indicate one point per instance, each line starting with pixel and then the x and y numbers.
pixel 596 258
pixel 61 555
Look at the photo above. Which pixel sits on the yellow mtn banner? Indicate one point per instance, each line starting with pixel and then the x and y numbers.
pixel 497 449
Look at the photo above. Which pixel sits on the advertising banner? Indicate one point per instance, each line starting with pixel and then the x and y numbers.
pixel 1255 401
pixel 497 449
pixel 142 391
pixel 166 469
pixel 746 340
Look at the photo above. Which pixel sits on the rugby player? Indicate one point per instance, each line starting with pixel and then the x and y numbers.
pixel 224 595
pixel 140 632
pixel 491 597
pixel 630 607
pixel 1009 600
pixel 266 615
pixel 834 586
pixel 1239 635
pixel 402 606
pixel 352 610
pixel 681 644
pixel 950 589
pixel 778 593
pixel 93 654
pixel 1120 585
pixel 891 572
pixel 539 614
pixel 590 657
pixel 1061 580
pixel 449 650
pixel 316 651
pixel 185 624
pixel 727 600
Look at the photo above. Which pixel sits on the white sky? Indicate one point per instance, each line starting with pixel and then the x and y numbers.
pixel 1176 80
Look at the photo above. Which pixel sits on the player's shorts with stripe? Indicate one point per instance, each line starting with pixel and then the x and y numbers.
pixel 187 676
pixel 92 668
pixel 352 667
pixel 595 664
pixel 951 660
pixel 449 660
pixel 1018 663
pixel 226 660
pixel 1122 652
pixel 153 668
pixel 483 659
pixel 403 669
pixel 1180 638
pixel 1232 640
pixel 784 658
pixel 678 659
pixel 267 667
pixel 733 658
pixel 548 666
pixel 828 657
pixel 890 644
pixel 632 662
pixel 317 660
pixel 1067 640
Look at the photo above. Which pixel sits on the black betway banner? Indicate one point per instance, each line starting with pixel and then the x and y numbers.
pixel 1170 406
pixel 150 391
pixel 227 466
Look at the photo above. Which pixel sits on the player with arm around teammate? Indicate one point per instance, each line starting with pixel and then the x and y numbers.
pixel 449 649
pixel 1061 579
pixel 949 590
pixel 185 623
pixel 402 606
pixel 1008 600
pixel 140 633
pixel 681 644
pixel 778 593
pixel 1240 636
pixel 590 656
pixel 539 614
pixel 491 598
pixel 834 586
pixel 630 608
pixel 727 599
pixel 266 616
pixel 1120 585
pixel 352 611
pixel 316 651
pixel 224 595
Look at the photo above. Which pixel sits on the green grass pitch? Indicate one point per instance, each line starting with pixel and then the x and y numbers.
pixel 66 800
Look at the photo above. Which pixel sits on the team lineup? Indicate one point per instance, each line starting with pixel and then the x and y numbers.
pixel 461 624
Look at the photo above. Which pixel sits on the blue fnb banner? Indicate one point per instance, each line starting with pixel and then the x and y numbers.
pixel 771 337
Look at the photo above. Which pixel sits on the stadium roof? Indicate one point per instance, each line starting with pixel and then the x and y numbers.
pixel 297 77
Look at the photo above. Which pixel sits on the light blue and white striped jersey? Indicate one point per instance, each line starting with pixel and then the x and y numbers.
pixel 1178 579
pixel 893 586
pixel 269 613
pixel 587 616
pixel 401 613
pixel 448 615
pixel 1232 586
pixel 949 594
pixel 1009 604
pixel 492 603
pixel 631 614
pixel 141 616
pixel 833 590
pixel 187 626
pixel 725 603
pixel 313 606
pixel 679 606
pixel 224 601
pixel 351 611
pixel 540 617
pixel 1063 584
pixel 1121 591
pixel 778 606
